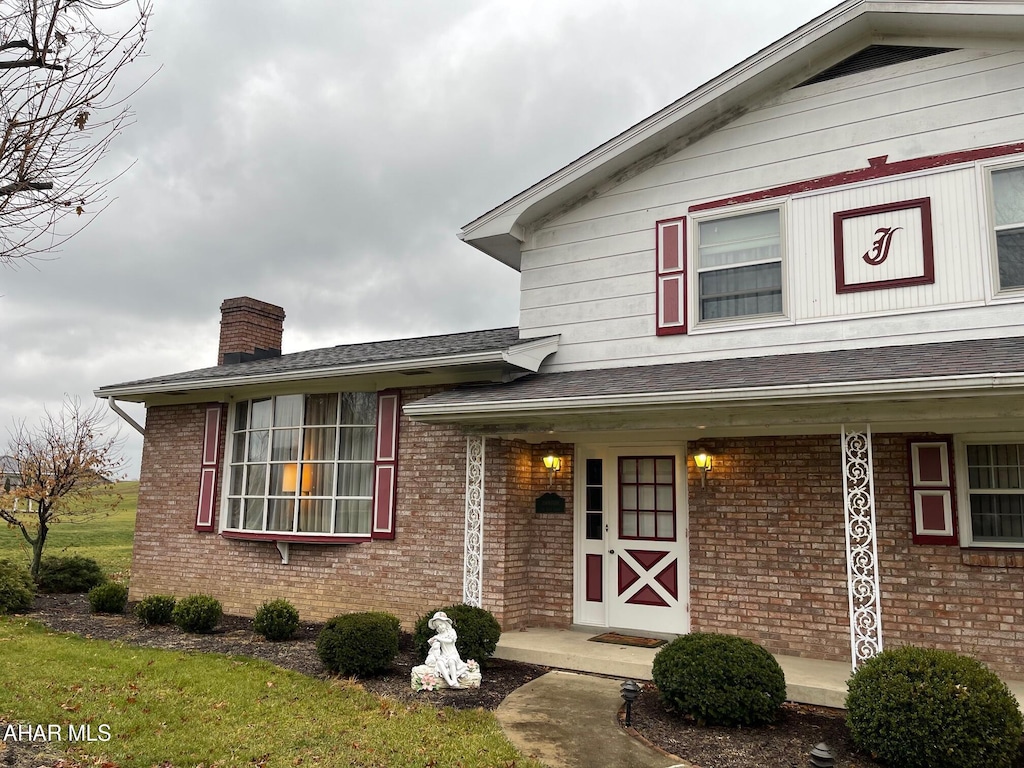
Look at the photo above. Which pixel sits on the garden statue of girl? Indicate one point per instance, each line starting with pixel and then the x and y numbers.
pixel 444 667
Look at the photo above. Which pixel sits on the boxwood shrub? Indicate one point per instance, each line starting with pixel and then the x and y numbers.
pixel 66 575
pixel 156 609
pixel 276 620
pixel 720 679
pixel 925 708
pixel 359 644
pixel 476 628
pixel 109 597
pixel 197 613
pixel 17 589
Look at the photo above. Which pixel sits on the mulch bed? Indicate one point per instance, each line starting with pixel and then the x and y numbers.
pixel 786 744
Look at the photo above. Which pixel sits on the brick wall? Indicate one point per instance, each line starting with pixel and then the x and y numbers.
pixel 768 558
pixel 527 557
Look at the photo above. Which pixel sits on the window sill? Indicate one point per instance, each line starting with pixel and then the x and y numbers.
pixel 297 538
pixel 993 558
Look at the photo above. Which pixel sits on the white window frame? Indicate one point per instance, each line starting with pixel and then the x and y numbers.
pixel 990 206
pixel 696 321
pixel 963 490
pixel 293 535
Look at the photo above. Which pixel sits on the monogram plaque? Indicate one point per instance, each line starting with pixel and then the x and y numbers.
pixel 884 246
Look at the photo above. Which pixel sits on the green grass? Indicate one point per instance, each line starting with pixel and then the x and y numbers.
pixel 190 709
pixel 107 537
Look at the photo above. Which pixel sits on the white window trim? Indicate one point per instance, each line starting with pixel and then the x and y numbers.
pixel 963 496
pixel 987 196
pixel 225 491
pixel 694 272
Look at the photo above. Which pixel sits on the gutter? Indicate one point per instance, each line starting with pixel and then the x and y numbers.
pixel 922 388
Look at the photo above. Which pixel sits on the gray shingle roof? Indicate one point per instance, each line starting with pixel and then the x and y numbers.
pixel 396 350
pixel 986 356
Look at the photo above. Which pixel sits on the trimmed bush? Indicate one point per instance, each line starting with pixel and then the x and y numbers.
pixel 156 609
pixel 109 597
pixel 276 620
pixel 477 629
pixel 924 708
pixel 67 575
pixel 720 679
pixel 359 644
pixel 197 613
pixel 17 589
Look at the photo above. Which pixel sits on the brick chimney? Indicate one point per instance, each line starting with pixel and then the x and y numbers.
pixel 249 330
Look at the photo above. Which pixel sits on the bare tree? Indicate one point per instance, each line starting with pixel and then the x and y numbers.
pixel 54 471
pixel 58 113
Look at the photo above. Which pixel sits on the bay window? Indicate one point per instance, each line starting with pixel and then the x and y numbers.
pixel 739 266
pixel 303 464
pixel 1008 204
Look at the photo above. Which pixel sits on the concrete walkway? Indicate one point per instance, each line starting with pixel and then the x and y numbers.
pixel 569 720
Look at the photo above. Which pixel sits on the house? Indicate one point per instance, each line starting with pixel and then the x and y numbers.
pixel 770 337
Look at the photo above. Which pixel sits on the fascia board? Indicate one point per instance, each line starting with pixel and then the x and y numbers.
pixel 922 388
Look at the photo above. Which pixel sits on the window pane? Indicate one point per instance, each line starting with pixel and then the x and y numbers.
pixel 754 290
pixel 353 516
pixel 320 444
pixel 355 480
pixel 666 525
pixel 359 408
pixel 997 517
pixel 261 413
pixel 254 514
pixel 594 472
pixel 739 239
pixel 647 529
pixel 629 497
pixel 283 479
pixel 280 514
pixel 664 501
pixel 315 515
pixel 595 499
pixel 234 513
pixel 318 479
pixel 235 484
pixel 238 448
pixel 286 445
pixel 1010 246
pixel 256 480
pixel 629 526
pixel 595 522
pixel 1008 195
pixel 646 470
pixel 258 442
pixel 665 470
pixel 241 415
pixel 646 500
pixel 357 443
pixel 288 411
pixel 627 470
pixel 321 409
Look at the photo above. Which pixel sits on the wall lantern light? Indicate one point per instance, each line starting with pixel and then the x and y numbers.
pixel 553 463
pixel 704 462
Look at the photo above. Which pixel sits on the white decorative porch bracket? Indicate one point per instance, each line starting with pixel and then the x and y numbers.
pixel 473 567
pixel 861 546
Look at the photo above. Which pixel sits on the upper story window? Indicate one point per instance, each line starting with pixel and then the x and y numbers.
pixel 739 266
pixel 1008 202
pixel 303 464
pixel 995 492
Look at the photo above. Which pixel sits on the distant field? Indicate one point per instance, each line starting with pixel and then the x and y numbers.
pixel 107 538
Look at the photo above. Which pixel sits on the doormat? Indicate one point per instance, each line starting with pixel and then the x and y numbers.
pixel 616 639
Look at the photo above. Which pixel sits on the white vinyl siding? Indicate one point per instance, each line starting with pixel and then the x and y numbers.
pixel 588 274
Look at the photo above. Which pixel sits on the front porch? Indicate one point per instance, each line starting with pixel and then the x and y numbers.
pixel 808 681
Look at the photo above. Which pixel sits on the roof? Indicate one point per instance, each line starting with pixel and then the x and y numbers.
pixel 960 365
pixel 494 346
pixel 794 59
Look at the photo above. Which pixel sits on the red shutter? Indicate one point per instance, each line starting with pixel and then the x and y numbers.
pixel 388 411
pixel 671 267
pixel 208 472
pixel 932 501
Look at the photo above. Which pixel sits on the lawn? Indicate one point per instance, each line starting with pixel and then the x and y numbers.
pixel 159 707
pixel 107 537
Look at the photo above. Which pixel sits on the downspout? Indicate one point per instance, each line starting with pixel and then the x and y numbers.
pixel 117 409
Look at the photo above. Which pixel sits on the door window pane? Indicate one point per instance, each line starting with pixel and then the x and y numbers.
pixel 647 497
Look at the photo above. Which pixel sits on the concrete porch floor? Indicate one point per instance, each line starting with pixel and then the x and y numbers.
pixel 808 681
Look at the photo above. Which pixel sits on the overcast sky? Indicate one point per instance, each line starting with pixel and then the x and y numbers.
pixel 322 154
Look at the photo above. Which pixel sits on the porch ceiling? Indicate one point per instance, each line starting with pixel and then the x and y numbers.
pixel 973 385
